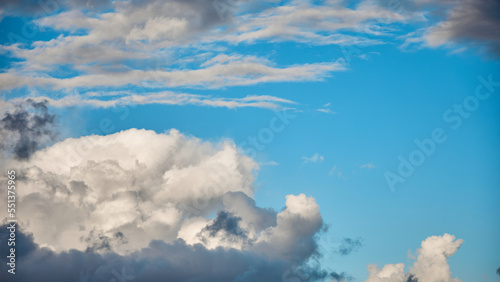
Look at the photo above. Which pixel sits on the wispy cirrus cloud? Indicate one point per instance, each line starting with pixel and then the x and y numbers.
pixel 231 73
pixel 320 23
pixel 159 98
pixel 326 109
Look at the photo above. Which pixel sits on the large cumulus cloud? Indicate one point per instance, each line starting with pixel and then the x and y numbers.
pixel 167 205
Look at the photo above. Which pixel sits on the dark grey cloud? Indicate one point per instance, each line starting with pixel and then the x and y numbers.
pixel 38 8
pixel 27 129
pixel 227 222
pixel 98 241
pixel 340 277
pixel 314 273
pixel 349 245
pixel 158 262
pixel 474 22
pixel 210 12
pixel 412 278
pixel 241 205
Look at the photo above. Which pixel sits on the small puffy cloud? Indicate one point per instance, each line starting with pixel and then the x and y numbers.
pixel 388 273
pixel 368 166
pixel 431 263
pixel 316 158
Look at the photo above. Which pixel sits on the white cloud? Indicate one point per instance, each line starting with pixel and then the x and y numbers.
pixel 316 158
pixel 133 181
pixel 293 236
pixel 326 111
pixel 164 97
pixel 335 171
pixel 122 191
pixel 142 33
pixel 134 43
pixel 388 273
pixel 431 263
pixel 368 166
pixel 231 73
pixel 319 24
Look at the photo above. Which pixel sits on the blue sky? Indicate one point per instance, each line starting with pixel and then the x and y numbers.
pixel 358 100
